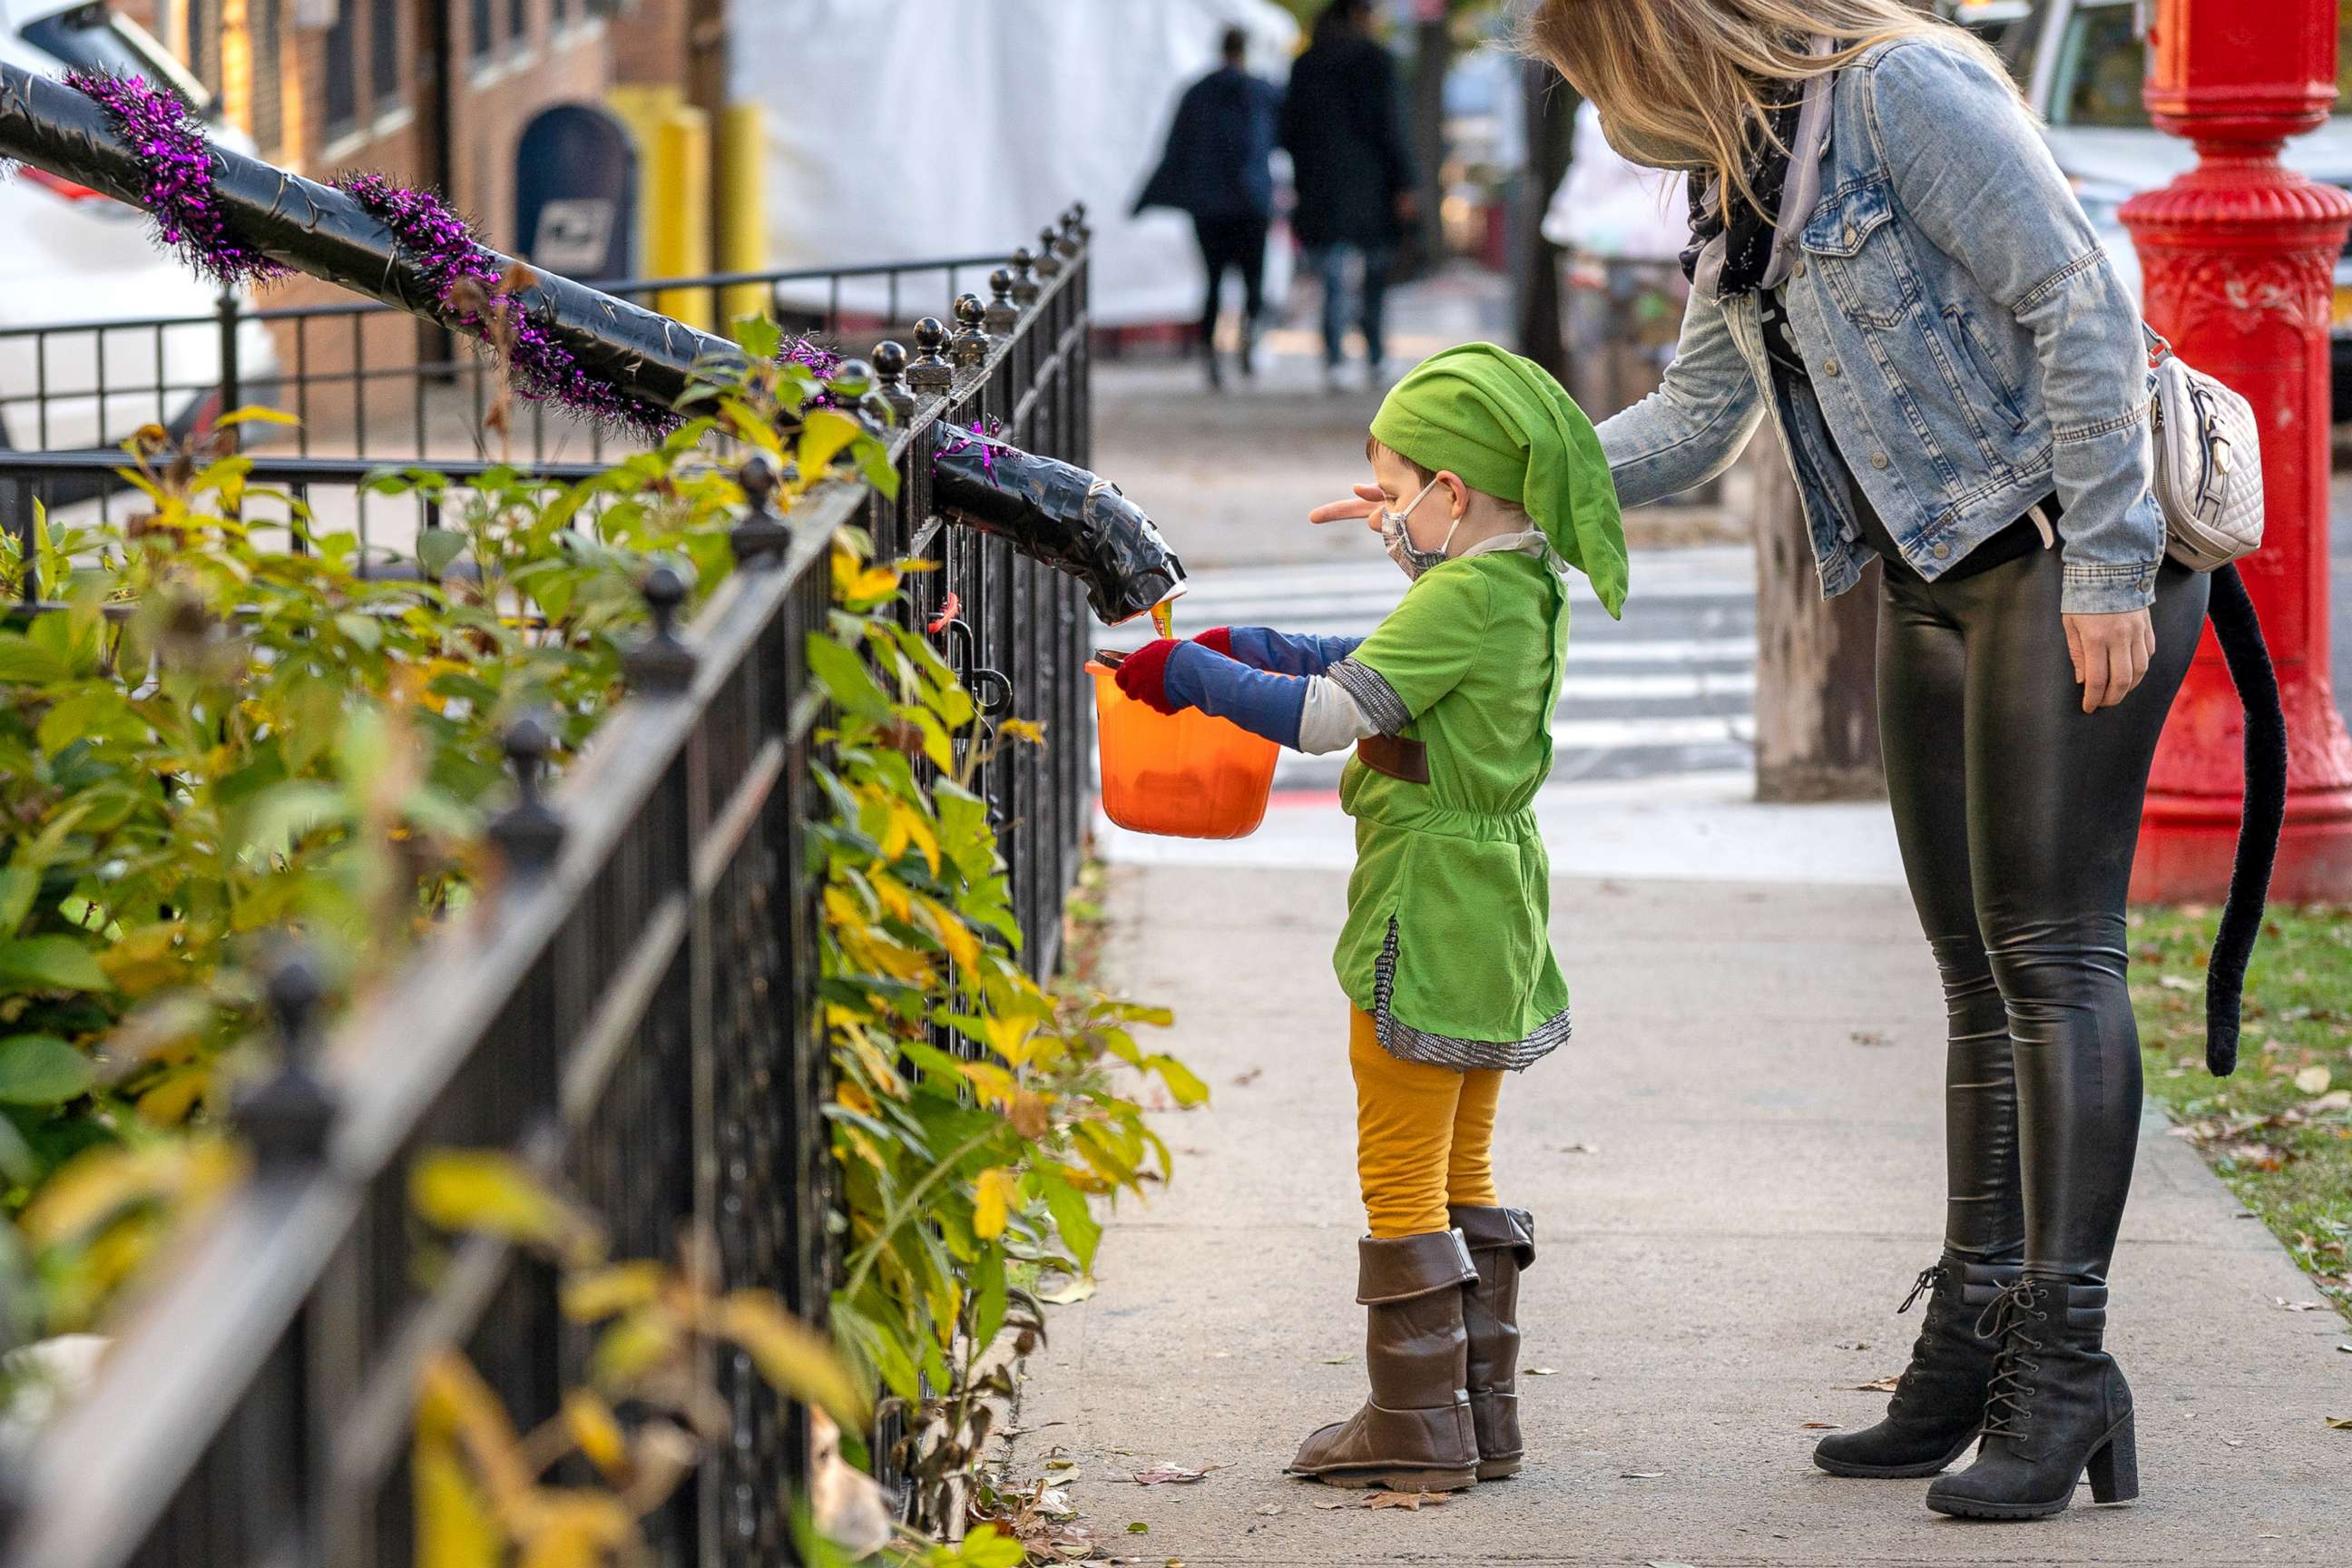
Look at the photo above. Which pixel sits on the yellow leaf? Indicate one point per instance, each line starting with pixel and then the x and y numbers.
pixel 453 1402
pixel 453 1527
pixel 991 1195
pixel 795 1358
pixel 1027 729
pixel 954 935
pixel 575 1529
pixel 97 1185
pixel 1008 1037
pixel 493 1194
pixel 593 1297
pixel 597 1431
pixel 167 1102
pixel 824 433
pixel 892 894
pixel 632 1347
pixel 995 1085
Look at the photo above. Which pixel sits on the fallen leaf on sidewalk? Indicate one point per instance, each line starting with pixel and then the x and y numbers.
pixel 1868 1037
pixel 1338 1502
pixel 1579 1147
pixel 1244 1080
pixel 2235 1442
pixel 1410 1501
pixel 2296 1306
pixel 1821 1426
pixel 1877 1386
pixel 2340 1423
pixel 1267 1508
pixel 1543 1371
pixel 1077 1290
pixel 1666 1566
pixel 1137 1527
pixel 1337 1360
pixel 1164 1473
pixel 1639 1475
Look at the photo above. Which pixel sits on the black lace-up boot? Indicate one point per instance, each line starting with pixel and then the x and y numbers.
pixel 1939 1400
pixel 2059 1405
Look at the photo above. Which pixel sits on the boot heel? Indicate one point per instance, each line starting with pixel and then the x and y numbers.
pixel 2115 1469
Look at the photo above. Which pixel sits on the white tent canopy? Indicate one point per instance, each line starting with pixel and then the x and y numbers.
pixel 904 129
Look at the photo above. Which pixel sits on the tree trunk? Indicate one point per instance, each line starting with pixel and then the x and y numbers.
pixel 1551 120
pixel 1816 662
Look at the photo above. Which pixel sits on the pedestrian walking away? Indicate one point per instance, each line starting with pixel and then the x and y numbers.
pixel 1490 486
pixel 1886 261
pixel 1216 170
pixel 1343 126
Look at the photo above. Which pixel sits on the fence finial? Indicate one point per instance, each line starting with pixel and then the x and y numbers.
pixel 1073 229
pixel 1024 279
pixel 1003 315
pixel 660 662
pixel 760 536
pixel 970 345
pixel 852 386
pixel 1049 252
pixel 287 1116
pixel 890 373
pixel 931 373
pixel 528 833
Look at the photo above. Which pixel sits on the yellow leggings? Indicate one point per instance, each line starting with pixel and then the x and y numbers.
pixel 1424 1135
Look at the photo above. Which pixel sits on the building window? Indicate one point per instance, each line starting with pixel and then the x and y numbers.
pixel 383 52
pixel 342 73
pixel 479 45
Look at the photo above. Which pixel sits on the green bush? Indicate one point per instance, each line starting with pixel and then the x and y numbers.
pixel 209 743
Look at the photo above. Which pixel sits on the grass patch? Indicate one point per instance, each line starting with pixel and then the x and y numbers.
pixel 2279 1130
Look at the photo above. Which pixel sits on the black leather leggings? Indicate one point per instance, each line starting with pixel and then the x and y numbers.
pixel 2017 814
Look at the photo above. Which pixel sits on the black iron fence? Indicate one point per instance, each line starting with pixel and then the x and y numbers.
pixel 633 1006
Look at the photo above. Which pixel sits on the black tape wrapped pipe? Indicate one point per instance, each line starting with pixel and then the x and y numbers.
pixel 1071 519
pixel 317 229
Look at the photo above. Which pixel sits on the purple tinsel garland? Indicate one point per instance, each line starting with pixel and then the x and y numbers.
pixel 438 243
pixel 179 177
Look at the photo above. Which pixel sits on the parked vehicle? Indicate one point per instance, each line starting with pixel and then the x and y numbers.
pixel 2081 64
pixel 86 357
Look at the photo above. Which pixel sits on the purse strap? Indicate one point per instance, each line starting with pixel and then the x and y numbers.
pixel 2159 348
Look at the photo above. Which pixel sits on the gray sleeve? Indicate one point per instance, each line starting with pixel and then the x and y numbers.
pixel 1382 708
pixel 1331 720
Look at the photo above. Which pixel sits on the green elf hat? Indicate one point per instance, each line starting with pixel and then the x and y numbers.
pixel 1507 429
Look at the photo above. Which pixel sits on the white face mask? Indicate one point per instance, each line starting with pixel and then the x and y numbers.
pixel 1412 560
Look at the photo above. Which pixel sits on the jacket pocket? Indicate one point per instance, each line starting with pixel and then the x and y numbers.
pixel 1860 254
pixel 1985 365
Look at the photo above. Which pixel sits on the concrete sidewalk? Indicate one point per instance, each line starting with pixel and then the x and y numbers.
pixel 1736 1170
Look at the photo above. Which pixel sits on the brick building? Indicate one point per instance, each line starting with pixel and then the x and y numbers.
pixel 436 93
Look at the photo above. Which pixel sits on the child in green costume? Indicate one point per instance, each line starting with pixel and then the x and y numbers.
pixel 1488 485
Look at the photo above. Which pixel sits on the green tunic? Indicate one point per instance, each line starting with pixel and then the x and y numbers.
pixel 1447 943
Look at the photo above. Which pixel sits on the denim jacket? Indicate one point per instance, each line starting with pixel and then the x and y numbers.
pixel 1971 349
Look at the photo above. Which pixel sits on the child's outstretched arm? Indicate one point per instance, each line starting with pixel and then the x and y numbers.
pixel 1282 653
pixel 1313 713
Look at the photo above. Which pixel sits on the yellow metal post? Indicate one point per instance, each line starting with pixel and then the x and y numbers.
pixel 674 197
pixel 742 210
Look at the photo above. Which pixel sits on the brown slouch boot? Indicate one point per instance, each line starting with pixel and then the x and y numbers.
pixel 1502 1242
pixel 1414 1433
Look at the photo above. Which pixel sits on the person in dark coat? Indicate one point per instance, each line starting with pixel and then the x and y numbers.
pixel 1344 126
pixel 1215 169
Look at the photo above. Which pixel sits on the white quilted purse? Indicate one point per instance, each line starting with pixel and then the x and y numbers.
pixel 2209 462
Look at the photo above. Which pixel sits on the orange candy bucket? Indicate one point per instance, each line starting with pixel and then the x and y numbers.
pixel 1184 774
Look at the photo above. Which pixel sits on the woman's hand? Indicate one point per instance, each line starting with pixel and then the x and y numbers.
pixel 1366 503
pixel 2111 654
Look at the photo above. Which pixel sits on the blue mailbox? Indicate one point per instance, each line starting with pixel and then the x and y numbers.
pixel 576 192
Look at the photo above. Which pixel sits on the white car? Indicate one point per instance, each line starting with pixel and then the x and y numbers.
pixel 2081 64
pixel 77 259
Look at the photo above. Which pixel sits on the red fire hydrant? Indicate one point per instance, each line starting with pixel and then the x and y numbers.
pixel 2240 258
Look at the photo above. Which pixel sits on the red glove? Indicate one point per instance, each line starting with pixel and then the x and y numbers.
pixel 1143 674
pixel 1217 639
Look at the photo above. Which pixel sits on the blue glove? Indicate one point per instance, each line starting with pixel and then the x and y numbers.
pixel 1199 677
pixel 1284 653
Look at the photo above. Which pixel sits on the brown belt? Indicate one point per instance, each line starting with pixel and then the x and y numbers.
pixel 1395 756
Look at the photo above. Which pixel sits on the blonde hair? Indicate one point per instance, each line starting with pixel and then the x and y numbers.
pixel 1705 74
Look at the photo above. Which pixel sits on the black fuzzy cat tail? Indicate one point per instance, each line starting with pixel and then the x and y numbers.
pixel 2240 633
